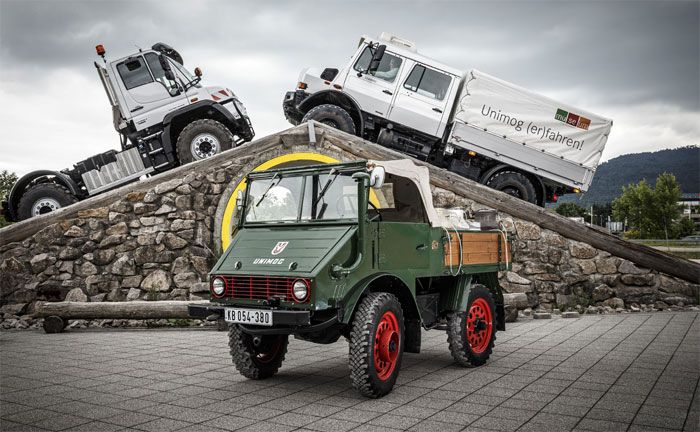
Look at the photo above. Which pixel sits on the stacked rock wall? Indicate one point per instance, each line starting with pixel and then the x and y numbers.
pixel 157 240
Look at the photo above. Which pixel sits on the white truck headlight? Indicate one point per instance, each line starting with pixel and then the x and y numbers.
pixel 218 287
pixel 300 289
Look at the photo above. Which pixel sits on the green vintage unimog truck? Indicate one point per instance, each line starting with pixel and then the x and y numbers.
pixel 354 250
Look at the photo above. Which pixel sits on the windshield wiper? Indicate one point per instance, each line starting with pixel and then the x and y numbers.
pixel 323 192
pixel 270 186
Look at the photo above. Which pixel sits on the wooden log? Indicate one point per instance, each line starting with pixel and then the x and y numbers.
pixel 115 310
pixel 638 254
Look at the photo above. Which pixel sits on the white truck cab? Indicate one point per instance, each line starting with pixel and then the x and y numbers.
pixel 165 118
pixel 390 94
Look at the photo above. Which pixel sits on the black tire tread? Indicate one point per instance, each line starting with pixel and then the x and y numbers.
pixel 359 358
pixel 346 124
pixel 184 154
pixel 455 333
pixel 500 179
pixel 24 209
pixel 243 358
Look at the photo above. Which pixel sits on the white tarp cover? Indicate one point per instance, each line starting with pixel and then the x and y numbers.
pixel 522 116
pixel 420 176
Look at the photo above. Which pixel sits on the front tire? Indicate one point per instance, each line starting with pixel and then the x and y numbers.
pixel 515 184
pixel 256 357
pixel 472 333
pixel 203 139
pixel 376 344
pixel 43 198
pixel 333 116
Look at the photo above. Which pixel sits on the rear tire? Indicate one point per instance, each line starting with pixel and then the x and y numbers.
pixel 515 184
pixel 256 361
pixel 376 344
pixel 333 116
pixel 203 139
pixel 44 198
pixel 472 333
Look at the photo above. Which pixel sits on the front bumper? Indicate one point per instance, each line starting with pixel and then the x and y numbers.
pixel 285 321
pixel 239 117
pixel 290 105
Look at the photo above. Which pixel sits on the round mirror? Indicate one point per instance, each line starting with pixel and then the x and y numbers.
pixel 376 177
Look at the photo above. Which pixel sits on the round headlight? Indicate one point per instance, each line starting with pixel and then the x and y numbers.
pixel 218 287
pixel 300 290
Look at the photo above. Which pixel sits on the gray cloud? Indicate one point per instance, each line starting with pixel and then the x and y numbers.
pixel 609 57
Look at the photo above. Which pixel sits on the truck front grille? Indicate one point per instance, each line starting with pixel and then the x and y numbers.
pixel 260 288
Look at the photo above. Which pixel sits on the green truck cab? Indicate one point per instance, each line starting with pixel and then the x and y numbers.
pixel 355 250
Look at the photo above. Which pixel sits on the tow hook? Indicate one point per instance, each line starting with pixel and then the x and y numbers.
pixel 257 340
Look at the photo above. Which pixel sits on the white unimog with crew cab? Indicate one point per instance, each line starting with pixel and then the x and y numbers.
pixel 473 124
pixel 165 118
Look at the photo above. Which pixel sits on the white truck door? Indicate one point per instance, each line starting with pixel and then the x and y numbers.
pixel 149 95
pixel 421 101
pixel 375 91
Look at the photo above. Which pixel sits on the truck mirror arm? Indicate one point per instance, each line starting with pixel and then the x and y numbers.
pixel 338 270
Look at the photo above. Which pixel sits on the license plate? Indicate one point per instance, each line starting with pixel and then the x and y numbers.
pixel 248 316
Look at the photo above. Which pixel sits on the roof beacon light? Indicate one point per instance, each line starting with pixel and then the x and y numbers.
pixel 100 50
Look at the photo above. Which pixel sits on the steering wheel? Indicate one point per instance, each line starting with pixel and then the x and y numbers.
pixel 378 215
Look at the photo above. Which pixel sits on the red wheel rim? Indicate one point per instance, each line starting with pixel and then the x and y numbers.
pixel 479 326
pixel 387 339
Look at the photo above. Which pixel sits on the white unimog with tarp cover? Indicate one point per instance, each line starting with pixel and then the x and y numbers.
pixel 473 124
pixel 165 117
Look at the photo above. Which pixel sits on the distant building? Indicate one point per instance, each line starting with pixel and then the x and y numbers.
pixel 691 207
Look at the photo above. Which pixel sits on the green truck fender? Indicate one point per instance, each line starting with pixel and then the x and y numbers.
pixel 391 283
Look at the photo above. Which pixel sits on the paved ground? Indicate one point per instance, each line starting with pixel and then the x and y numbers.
pixel 617 372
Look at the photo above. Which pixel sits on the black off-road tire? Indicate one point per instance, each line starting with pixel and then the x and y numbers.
pixel 515 184
pixel 250 361
pixel 364 374
pixel 457 333
pixel 52 191
pixel 223 135
pixel 331 115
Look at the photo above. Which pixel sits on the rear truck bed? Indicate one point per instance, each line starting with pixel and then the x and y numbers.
pixel 528 131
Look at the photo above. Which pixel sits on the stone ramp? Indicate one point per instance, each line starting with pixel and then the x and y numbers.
pixel 157 238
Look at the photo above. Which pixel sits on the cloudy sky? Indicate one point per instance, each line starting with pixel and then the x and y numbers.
pixel 633 61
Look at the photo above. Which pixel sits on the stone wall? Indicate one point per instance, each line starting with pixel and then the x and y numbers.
pixel 557 272
pixel 157 240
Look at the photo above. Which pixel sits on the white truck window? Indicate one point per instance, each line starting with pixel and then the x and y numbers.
pixel 134 72
pixel 158 72
pixel 388 67
pixel 428 82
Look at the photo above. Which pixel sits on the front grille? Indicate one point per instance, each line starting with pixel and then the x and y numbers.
pixel 260 287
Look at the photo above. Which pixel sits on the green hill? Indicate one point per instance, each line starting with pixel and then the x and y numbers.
pixel 612 175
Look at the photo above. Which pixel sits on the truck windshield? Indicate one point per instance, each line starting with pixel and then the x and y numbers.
pixel 299 198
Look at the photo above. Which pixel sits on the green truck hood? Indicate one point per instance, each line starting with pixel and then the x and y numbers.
pixel 273 250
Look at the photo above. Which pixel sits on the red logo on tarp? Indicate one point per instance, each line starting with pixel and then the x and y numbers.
pixel 279 247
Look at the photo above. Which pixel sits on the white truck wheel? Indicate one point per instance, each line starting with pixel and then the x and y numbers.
pixel 43 198
pixel 203 139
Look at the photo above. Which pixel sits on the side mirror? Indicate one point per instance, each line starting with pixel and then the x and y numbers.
pixel 198 72
pixel 239 207
pixel 376 177
pixel 376 58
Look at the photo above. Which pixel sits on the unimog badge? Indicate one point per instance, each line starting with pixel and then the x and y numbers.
pixel 372 262
pixel 279 247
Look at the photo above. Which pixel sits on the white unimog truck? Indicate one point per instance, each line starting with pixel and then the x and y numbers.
pixel 165 118
pixel 473 124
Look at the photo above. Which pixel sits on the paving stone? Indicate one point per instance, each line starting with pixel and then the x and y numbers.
pixel 600 372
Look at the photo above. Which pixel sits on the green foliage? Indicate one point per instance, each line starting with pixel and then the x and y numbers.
pixel 571 210
pixel 612 175
pixel 7 180
pixel 650 213
pixel 686 227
